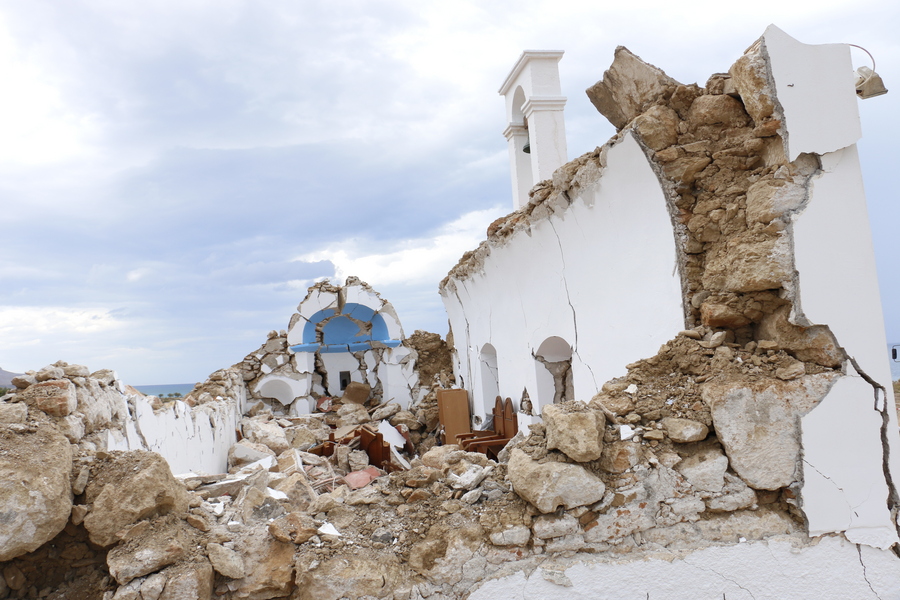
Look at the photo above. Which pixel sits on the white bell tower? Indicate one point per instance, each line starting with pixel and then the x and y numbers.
pixel 534 113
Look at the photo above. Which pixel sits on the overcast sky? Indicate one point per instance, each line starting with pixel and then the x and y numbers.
pixel 175 174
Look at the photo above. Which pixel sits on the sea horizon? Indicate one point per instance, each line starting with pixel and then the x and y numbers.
pixel 165 389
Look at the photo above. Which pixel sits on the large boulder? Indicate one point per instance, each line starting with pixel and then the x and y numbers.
pixel 758 423
pixel 55 397
pixel 35 491
pixel 628 87
pixel 575 430
pixel 551 484
pixel 127 487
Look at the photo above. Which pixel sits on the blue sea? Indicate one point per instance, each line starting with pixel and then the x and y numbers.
pixel 165 390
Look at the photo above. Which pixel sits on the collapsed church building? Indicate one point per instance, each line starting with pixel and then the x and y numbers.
pixel 686 322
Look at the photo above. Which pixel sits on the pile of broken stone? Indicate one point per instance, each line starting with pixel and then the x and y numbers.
pixel 285 521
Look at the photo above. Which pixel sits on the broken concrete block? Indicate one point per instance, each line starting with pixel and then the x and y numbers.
pixel 549 485
pixel 575 430
pixel 758 423
pixel 628 87
pixel 35 493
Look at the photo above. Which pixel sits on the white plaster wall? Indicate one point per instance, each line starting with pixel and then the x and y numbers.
pixel 821 73
pixel 832 569
pixel 843 479
pixel 334 363
pixel 601 275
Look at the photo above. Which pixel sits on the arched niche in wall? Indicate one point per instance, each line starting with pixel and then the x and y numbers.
pixel 490 376
pixel 553 371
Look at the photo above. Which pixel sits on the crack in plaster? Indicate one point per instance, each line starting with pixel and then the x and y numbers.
pixel 893 499
pixel 864 574
pixel 713 571
pixel 571 307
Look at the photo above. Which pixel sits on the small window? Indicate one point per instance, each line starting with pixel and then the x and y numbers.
pixel 345 380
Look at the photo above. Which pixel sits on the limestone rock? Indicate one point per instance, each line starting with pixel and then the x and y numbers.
pixel 152 586
pixel 35 492
pixel 685 430
pixel 749 75
pixel 13 412
pixel 575 430
pixel 436 458
pixel 56 398
pixel 159 547
pixel 245 452
pixel 736 496
pixel 48 373
pixel 267 434
pixel 386 411
pixel 705 469
pixel 549 485
pixel 189 581
pixel 356 393
pixel 813 344
pixel 514 536
pixel 226 562
pixel 746 263
pixel 76 371
pixel 23 381
pixel 758 423
pixel 128 487
pixel 770 198
pixel 620 456
pixel 353 414
pixel 271 572
pixel 551 526
pixel 350 576
pixel 628 87
pixel 718 110
pixel 658 127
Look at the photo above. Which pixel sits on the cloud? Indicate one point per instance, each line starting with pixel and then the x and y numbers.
pixel 173 174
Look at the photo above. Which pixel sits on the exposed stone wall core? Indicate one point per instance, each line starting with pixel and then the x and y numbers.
pixel 752 364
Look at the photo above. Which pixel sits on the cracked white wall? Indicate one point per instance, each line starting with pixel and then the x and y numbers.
pixel 847 437
pixel 191 439
pixel 611 254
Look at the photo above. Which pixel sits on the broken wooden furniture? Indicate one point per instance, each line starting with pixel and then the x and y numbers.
pixel 362 438
pixel 506 426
